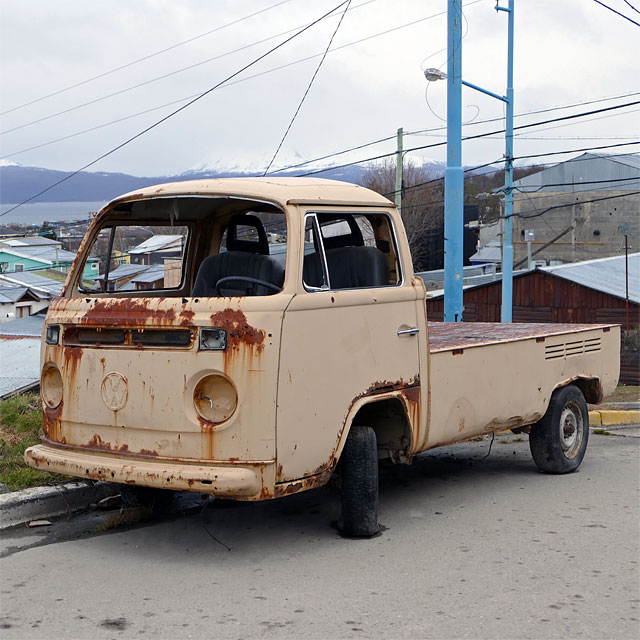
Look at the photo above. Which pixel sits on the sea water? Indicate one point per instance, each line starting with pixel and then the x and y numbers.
pixel 36 213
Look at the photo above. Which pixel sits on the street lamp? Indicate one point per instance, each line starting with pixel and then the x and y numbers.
pixel 454 178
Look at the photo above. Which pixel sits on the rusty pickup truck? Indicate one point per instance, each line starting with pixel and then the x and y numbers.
pixel 248 338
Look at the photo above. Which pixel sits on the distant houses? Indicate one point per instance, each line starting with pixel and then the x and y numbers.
pixel 25 293
pixel 33 253
pixel 152 264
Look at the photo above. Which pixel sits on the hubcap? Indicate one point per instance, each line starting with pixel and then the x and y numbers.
pixel 571 429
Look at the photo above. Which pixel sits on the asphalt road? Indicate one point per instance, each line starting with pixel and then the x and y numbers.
pixel 473 548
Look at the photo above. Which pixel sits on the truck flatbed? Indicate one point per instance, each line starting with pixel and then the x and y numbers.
pixel 449 336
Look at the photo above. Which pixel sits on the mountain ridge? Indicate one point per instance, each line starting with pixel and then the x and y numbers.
pixel 17 182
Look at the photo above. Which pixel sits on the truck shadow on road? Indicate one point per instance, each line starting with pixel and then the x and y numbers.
pixel 431 485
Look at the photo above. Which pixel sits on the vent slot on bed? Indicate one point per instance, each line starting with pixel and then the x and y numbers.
pixel 571 348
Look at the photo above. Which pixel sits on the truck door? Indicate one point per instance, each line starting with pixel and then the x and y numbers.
pixel 351 331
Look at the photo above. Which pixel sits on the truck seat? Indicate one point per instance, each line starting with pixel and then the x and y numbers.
pixel 245 258
pixel 349 267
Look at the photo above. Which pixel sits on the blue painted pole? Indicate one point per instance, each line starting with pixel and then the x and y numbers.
pixel 506 314
pixel 453 175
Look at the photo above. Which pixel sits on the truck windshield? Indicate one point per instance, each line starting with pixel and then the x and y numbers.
pixel 220 248
pixel 135 258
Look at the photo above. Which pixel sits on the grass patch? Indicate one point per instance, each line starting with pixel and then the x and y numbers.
pixel 624 393
pixel 603 432
pixel 20 428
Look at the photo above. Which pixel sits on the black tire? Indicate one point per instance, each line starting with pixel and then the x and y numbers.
pixel 359 463
pixel 559 440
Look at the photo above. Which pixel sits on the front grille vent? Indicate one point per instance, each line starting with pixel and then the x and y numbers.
pixel 573 348
pixel 98 337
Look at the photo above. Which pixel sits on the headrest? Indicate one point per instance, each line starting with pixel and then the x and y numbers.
pixel 352 239
pixel 261 245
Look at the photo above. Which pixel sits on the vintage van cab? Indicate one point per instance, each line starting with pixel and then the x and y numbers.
pixel 243 336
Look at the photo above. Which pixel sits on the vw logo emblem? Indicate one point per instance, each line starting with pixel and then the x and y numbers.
pixel 114 391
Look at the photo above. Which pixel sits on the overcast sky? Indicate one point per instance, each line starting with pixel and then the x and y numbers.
pixel 566 51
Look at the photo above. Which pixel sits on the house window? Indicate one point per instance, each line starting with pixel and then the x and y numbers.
pixel 18 267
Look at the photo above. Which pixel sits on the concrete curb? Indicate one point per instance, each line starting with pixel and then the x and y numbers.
pixel 609 417
pixel 19 507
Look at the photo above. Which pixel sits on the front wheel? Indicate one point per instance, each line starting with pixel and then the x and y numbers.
pixel 559 440
pixel 360 484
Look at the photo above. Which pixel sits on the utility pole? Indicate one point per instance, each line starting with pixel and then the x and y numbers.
pixel 507 252
pixel 399 168
pixel 453 175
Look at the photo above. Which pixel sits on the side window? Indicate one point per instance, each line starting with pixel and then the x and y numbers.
pixel 135 258
pixel 349 251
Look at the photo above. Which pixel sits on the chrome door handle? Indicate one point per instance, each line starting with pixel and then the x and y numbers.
pixel 409 332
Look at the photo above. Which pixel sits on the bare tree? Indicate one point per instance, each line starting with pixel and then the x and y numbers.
pixel 422 207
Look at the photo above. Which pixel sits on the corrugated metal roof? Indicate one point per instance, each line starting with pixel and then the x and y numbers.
pixel 153 274
pixel 46 254
pixel 11 293
pixel 585 173
pixel 31 241
pixel 473 281
pixel 124 271
pixel 605 274
pixel 34 281
pixel 31 326
pixel 155 243
pixel 21 364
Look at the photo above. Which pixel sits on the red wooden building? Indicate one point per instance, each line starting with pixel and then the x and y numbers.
pixel 585 292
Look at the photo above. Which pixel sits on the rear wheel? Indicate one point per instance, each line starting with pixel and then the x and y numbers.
pixel 359 463
pixel 559 440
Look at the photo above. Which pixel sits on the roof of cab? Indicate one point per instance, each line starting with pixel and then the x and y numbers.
pixel 277 190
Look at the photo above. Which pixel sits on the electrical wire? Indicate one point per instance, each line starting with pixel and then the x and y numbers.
pixel 481 135
pixel 606 6
pixel 257 75
pixel 387 138
pixel 560 206
pixel 173 113
pixel 147 57
pixel 333 35
pixel 630 5
pixel 534 188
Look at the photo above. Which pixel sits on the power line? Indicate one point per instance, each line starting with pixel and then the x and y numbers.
pixel 474 137
pixel 431 181
pixel 311 57
pixel 333 35
pixel 173 113
pixel 537 212
pixel 147 57
pixel 420 131
pixel 630 5
pixel 560 206
pixel 606 6
pixel 569 184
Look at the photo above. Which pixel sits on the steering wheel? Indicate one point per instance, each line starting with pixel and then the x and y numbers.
pixel 264 283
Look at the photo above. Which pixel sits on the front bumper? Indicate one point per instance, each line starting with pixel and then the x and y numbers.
pixel 234 481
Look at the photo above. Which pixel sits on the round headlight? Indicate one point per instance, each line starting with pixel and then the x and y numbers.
pixel 215 398
pixel 51 386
